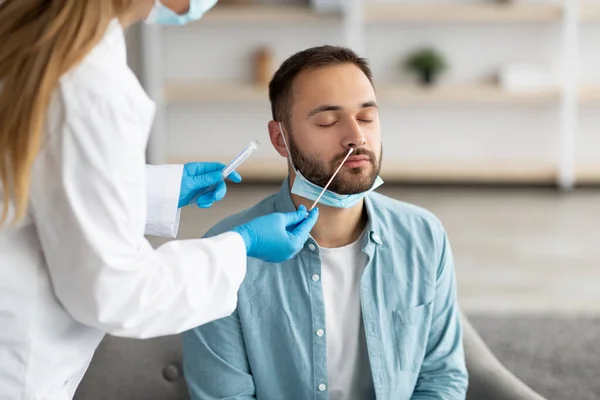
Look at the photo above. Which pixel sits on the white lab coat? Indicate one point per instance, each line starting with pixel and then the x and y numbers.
pixel 79 266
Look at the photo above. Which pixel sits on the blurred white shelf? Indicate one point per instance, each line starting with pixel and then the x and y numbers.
pixel 491 12
pixel 509 171
pixel 473 93
pixel 263 13
pixel 177 92
pixel 590 11
pixel 451 13
pixel 587 173
pixel 589 94
pixel 203 92
pixel 255 168
pixel 455 13
pixel 484 171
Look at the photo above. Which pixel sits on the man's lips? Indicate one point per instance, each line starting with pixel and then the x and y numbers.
pixel 358 158
pixel 356 161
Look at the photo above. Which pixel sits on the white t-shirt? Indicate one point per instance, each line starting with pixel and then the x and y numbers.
pixel 347 358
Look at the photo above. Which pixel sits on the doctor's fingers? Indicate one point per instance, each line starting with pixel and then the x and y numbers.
pixel 206 180
pixel 200 168
pixel 220 191
pixel 217 194
pixel 235 177
pixel 206 200
pixel 302 230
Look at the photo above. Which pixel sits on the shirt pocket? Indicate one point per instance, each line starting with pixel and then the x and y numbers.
pixel 411 330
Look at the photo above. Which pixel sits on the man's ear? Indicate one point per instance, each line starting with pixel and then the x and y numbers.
pixel 276 139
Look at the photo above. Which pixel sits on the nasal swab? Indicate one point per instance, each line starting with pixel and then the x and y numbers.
pixel 229 168
pixel 331 179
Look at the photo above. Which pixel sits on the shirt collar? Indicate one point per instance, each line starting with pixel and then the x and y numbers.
pixel 373 234
pixel 283 200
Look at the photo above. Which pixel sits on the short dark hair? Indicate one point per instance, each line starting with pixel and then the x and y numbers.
pixel 281 85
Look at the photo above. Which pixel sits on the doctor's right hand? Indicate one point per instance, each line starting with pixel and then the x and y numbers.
pixel 203 179
pixel 278 237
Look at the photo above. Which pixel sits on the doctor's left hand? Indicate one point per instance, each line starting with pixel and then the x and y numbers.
pixel 197 177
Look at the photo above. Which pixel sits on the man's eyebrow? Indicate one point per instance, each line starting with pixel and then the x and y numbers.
pixel 370 103
pixel 323 108
pixel 331 107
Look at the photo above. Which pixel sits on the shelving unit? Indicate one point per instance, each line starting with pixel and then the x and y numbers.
pixel 463 13
pixel 518 171
pixel 252 13
pixel 588 173
pixel 590 11
pixel 199 92
pixel 590 94
pixel 405 12
pixel 474 93
pixel 358 17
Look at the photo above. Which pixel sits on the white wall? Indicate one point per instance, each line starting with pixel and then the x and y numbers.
pixel 588 143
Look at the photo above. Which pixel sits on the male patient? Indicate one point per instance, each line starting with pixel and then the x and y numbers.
pixel 367 309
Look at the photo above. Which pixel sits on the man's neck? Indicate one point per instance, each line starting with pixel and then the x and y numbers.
pixel 336 227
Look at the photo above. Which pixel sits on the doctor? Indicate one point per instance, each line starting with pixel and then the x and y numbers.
pixel 76 199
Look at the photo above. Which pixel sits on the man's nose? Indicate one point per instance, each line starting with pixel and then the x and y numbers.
pixel 354 136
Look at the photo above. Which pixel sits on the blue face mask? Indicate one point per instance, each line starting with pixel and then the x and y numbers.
pixel 163 15
pixel 304 188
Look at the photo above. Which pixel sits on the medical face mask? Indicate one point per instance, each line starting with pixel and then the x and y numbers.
pixel 163 15
pixel 305 188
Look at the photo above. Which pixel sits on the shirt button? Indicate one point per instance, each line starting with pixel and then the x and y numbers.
pixel 322 387
pixel 311 247
pixel 376 238
pixel 316 277
pixel 320 332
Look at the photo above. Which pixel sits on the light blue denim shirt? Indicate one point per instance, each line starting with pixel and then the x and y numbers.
pixel 269 349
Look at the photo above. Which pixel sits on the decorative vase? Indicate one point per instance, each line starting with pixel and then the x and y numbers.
pixel 263 66
pixel 428 77
pixel 327 6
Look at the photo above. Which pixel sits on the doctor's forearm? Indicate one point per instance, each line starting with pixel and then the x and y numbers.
pixel 158 302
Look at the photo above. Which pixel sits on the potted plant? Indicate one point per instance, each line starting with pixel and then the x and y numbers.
pixel 427 63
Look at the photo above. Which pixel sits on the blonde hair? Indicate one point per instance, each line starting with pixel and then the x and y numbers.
pixel 40 40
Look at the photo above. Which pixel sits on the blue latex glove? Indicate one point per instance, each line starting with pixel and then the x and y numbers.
pixel 278 237
pixel 198 176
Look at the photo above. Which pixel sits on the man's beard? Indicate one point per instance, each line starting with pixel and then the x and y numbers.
pixel 347 181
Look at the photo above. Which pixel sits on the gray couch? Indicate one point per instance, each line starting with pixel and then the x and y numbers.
pixel 127 369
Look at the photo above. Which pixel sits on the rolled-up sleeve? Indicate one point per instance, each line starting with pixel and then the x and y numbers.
pixel 162 199
pixel 443 373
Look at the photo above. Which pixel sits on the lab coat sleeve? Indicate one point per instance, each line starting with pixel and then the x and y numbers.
pixel 162 199
pixel 443 373
pixel 215 361
pixel 88 201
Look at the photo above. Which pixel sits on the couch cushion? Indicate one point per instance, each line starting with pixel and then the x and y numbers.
pixel 556 356
pixel 130 369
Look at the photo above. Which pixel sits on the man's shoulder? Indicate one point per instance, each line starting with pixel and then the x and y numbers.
pixel 413 228
pixel 411 216
pixel 263 207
